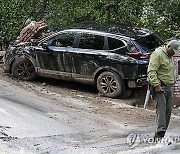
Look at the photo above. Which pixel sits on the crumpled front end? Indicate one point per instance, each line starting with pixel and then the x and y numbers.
pixel 14 51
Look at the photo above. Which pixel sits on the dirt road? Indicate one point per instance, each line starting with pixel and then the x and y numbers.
pixel 58 117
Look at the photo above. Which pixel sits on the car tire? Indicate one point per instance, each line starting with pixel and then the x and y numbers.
pixel 110 84
pixel 23 69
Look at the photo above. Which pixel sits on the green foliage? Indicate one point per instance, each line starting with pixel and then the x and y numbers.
pixel 161 16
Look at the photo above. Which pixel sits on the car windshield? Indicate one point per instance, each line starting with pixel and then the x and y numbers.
pixel 149 43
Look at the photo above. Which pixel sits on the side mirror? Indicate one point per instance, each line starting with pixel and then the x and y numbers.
pixel 44 45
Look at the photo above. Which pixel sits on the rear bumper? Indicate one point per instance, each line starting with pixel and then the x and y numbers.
pixel 142 81
pixel 137 83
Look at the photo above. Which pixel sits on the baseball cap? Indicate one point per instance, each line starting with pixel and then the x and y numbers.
pixel 175 44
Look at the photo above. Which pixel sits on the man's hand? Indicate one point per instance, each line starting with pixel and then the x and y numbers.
pixel 159 89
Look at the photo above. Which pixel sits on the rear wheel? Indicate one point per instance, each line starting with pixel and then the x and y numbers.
pixel 23 69
pixel 109 84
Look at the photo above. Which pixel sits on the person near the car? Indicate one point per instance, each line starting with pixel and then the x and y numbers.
pixel 161 75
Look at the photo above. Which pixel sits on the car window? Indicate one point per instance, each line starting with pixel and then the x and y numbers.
pixel 114 43
pixel 62 40
pixel 91 41
pixel 150 42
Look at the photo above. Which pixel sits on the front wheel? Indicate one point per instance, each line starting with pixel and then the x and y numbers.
pixel 109 84
pixel 23 69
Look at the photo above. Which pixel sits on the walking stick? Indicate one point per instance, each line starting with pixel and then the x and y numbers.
pixel 147 97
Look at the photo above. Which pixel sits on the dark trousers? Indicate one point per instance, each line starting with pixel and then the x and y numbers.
pixel 163 108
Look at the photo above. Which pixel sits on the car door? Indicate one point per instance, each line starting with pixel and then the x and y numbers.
pixel 54 56
pixel 88 55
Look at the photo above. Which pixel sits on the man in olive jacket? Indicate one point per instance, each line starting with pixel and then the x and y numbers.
pixel 161 75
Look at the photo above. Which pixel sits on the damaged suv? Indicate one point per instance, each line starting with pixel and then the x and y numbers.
pixel 115 63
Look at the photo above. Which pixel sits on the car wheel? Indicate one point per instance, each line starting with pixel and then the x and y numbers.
pixel 109 84
pixel 23 69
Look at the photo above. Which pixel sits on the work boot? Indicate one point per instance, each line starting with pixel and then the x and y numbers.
pixel 158 136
